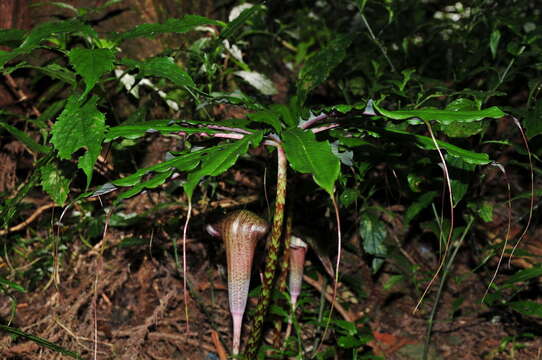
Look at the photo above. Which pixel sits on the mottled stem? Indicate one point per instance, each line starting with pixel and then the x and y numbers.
pixel 284 266
pixel 271 257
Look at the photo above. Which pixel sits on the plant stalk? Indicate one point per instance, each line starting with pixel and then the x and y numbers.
pixel 445 273
pixel 271 258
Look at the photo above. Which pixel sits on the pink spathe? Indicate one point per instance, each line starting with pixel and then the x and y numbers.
pixel 240 231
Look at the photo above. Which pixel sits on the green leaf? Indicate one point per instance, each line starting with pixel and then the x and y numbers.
pixel 267 117
pixel 394 280
pixel 232 27
pixel 318 68
pixel 11 35
pixel 347 326
pixel 166 68
pixel 427 143
pixel 349 196
pixel 181 163
pixel 54 71
pixel 287 114
pixel 91 64
pixel 494 40
pixel 11 284
pixel 151 183
pixel 373 233
pixel 460 174
pixel 132 241
pixel 529 308
pixel 524 275
pixel 80 126
pixel 44 31
pixel 59 72
pixel 277 310
pixel 49 113
pixel 219 159
pixel 25 139
pixel 137 130
pixel 55 184
pixel 421 203
pixel 533 120
pixel 176 26
pixel 486 211
pixel 6 56
pixel 40 341
pixel 306 155
pixel 344 108
pixel 445 117
pixel 462 129
pixel 349 342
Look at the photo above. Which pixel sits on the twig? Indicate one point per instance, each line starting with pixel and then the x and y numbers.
pixel 20 93
pixel 376 41
pixel 324 128
pixel 222 354
pixel 28 221
pixel 313 121
pixel 329 297
pixel 181 339
pixel 226 128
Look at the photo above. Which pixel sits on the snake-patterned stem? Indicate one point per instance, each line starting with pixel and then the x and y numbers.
pixel 240 231
pixel 271 258
pixel 298 249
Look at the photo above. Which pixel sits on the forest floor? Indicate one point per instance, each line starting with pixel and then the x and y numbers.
pixel 123 299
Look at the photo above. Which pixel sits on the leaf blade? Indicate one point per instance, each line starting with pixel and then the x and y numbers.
pixel 80 126
pixel 306 155
pixel 91 64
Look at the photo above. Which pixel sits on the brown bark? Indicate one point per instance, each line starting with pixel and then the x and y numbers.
pixel 14 14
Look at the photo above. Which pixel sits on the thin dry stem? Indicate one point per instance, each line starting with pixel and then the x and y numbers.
pixel 185 291
pixel 531 206
pixel 448 240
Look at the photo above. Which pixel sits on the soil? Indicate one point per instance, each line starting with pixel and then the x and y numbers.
pixel 120 295
pixel 120 299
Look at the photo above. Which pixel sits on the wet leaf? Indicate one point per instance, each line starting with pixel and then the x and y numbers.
pixel 427 143
pixel 219 159
pixel 176 26
pixel 529 308
pixel 533 121
pixel 418 205
pixel 318 68
pixel 11 284
pixel 166 68
pixel 445 117
pixel 91 64
pixel 55 184
pixel 373 232
pixel 80 125
pixel 25 139
pixel 494 40
pixel 306 155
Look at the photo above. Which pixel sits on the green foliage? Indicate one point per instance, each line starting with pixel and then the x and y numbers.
pixel 55 184
pixel 307 155
pixel 80 125
pixel 373 232
pixel 318 68
pixel 40 341
pixel 445 74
